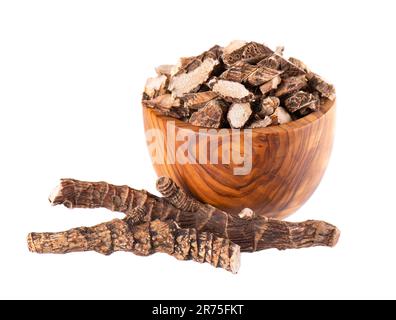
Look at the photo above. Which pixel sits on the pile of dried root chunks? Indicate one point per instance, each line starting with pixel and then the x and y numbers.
pixel 244 85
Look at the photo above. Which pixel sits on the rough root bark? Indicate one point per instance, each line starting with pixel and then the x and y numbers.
pixel 250 233
pixel 141 239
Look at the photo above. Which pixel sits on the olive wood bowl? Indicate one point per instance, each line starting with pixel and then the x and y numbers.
pixel 288 162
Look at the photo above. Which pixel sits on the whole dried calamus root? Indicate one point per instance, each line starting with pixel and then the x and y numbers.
pixel 252 233
pixel 141 239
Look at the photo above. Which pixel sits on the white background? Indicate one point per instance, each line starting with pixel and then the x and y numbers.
pixel 71 76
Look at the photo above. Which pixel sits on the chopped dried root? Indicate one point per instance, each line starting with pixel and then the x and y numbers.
pixel 197 100
pixel 212 115
pixel 239 72
pixel 239 114
pixel 262 75
pixel 242 72
pixel 291 85
pixel 261 123
pixel 270 85
pixel 281 116
pixel 251 52
pixel 155 87
pixel 268 106
pixel 232 91
pixel 191 81
pixel 325 89
pixel 301 100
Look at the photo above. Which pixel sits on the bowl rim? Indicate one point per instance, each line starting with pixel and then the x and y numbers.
pixel 292 125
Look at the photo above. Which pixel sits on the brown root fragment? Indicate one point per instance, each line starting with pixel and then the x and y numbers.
pixel 214 53
pixel 179 113
pixel 199 99
pixel 166 70
pixel 299 64
pixel 281 116
pixel 82 194
pixel 188 64
pixel 251 52
pixel 167 105
pixel 239 72
pixel 325 89
pixel 141 239
pixel 307 110
pixel 271 62
pixel 262 75
pixel 212 115
pixel 270 85
pixel 289 69
pixel 191 81
pixel 155 87
pixel 278 62
pixel 232 46
pixel 301 100
pixel 253 234
pixel 291 85
pixel 163 102
pixel 261 123
pixel 238 114
pixel 232 91
pixel 268 106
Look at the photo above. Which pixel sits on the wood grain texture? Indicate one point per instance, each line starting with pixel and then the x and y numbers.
pixel 289 161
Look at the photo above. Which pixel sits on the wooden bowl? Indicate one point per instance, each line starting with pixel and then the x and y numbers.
pixel 288 162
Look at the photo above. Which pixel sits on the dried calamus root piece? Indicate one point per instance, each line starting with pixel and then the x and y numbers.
pixel 155 87
pixel 301 100
pixel 271 61
pixel 280 116
pixel 141 239
pixel 257 233
pixel 232 46
pixel 291 85
pixel 197 100
pixel 210 116
pixel 268 106
pixel 232 91
pixel 167 105
pixel 270 85
pixel 239 114
pixel 251 52
pixel 239 72
pixel 189 82
pixel 263 75
pixel 252 233
pixel 162 103
pixel 327 90
pixel 188 64
pixel 166 70
pixel 261 123
pixel 299 64
pixel 192 72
